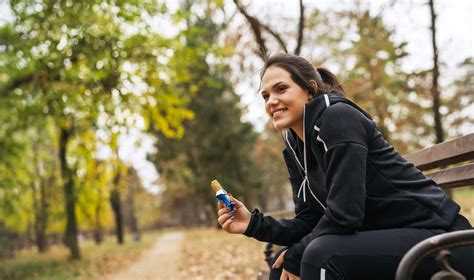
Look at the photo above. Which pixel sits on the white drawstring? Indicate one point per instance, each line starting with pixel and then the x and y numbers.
pixel 322 274
pixel 305 180
pixel 303 187
pixel 297 160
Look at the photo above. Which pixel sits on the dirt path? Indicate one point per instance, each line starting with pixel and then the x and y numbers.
pixel 161 262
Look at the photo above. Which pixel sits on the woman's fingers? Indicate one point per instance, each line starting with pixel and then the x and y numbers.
pixel 222 211
pixel 279 260
pixel 293 277
pixel 223 218
pixel 227 223
pixel 237 202
pixel 220 205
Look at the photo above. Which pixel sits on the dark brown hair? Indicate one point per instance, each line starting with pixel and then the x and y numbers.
pixel 302 72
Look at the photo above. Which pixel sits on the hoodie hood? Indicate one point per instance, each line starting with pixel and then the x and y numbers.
pixel 316 107
pixel 314 110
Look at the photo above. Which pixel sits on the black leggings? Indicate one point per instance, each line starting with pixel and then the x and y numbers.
pixel 374 255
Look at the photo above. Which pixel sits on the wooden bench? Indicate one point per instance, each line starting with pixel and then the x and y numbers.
pixel 450 164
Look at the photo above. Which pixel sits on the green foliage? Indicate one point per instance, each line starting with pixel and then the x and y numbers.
pixel 460 121
pixel 216 144
pixel 26 170
pixel 78 68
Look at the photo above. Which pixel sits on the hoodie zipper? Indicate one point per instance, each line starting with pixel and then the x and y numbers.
pixel 305 182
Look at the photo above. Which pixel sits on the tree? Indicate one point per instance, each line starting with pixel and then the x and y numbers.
pixel 133 188
pixel 275 192
pixel 435 75
pixel 459 118
pixel 375 79
pixel 119 170
pixel 216 144
pixel 70 61
pixel 44 181
pixel 258 27
pixel 94 177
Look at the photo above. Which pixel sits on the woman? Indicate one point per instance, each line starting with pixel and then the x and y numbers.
pixel 359 205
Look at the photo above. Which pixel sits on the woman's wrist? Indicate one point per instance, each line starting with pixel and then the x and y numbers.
pixel 249 231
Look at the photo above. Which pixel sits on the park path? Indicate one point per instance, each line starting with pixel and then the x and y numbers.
pixel 160 262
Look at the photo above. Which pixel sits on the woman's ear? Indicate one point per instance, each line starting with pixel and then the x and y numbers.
pixel 314 85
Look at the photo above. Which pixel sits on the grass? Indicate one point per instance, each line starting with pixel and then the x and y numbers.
pixel 215 254
pixel 96 261
pixel 465 198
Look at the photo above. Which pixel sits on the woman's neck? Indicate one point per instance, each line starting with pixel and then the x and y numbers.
pixel 299 130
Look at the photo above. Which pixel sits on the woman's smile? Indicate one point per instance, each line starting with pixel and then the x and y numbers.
pixel 276 113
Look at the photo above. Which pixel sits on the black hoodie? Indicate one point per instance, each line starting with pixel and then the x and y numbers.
pixel 347 178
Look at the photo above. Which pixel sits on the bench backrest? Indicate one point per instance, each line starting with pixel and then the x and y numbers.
pixel 450 164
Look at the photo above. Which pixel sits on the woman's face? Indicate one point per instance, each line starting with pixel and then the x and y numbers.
pixel 284 99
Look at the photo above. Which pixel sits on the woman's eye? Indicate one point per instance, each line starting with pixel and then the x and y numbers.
pixel 280 88
pixel 265 96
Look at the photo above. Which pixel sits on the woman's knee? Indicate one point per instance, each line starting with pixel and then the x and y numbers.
pixel 320 250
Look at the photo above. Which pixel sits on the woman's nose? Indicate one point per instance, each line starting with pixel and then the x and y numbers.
pixel 272 99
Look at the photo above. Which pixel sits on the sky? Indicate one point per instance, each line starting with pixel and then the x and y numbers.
pixel 410 20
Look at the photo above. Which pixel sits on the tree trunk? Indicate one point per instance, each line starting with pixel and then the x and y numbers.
pixel 40 204
pixel 117 209
pixel 38 223
pixel 299 41
pixel 71 225
pixel 98 235
pixel 98 230
pixel 43 218
pixel 133 224
pixel 41 221
pixel 435 88
pixel 41 238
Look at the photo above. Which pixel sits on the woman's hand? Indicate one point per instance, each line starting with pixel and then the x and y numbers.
pixel 285 275
pixel 239 222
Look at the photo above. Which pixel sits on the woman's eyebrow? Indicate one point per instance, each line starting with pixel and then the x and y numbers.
pixel 274 86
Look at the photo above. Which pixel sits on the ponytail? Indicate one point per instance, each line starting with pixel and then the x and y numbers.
pixel 331 82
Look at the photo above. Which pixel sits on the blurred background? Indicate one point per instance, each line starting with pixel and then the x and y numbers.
pixel 116 115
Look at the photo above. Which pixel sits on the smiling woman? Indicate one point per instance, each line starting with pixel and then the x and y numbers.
pixel 359 205
pixel 284 101
pixel 287 85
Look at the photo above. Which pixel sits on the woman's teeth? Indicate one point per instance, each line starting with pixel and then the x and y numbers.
pixel 278 112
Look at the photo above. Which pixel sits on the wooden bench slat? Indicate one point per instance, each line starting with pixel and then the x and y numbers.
pixel 454 177
pixel 452 151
